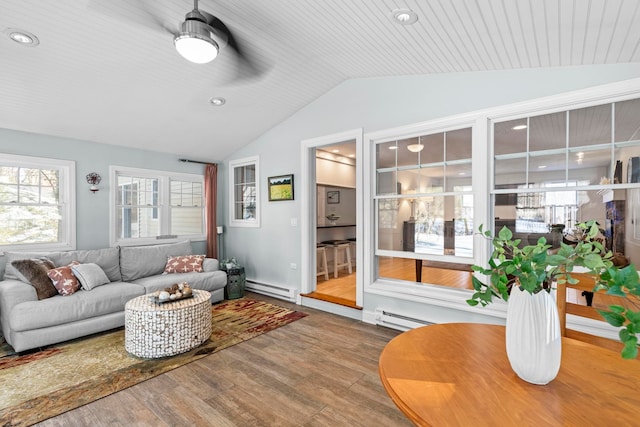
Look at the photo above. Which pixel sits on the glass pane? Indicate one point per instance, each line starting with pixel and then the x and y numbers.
pixel 29 194
pixel 433 148
pixel 245 174
pixel 458 174
pixel 548 167
pixel 409 152
pixel 137 222
pixel 433 272
pixel 29 224
pixel 186 221
pixel 590 166
pixel 389 232
pixel 510 137
pixel 590 126
pixel 29 176
pixel 419 226
pixel 509 173
pixel 548 132
pixel 387 183
pixel 386 155
pixel 627 120
pixel 433 179
pixel 459 144
pixel 8 193
pixel 245 202
pixel 410 181
pixel 8 175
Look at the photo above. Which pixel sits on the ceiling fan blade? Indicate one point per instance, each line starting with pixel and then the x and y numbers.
pixel 133 11
pixel 250 69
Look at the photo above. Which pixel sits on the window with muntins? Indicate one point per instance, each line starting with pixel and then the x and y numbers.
pixel 244 193
pixel 37 203
pixel 552 171
pixel 156 206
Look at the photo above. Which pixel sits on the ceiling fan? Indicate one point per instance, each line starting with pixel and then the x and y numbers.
pixel 199 38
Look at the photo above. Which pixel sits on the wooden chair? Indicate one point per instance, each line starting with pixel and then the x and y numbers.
pixel 595 301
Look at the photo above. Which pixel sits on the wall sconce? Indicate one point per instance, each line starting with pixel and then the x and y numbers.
pixel 93 179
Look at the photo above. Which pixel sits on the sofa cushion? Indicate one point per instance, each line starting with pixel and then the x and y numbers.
pixel 108 259
pixel 184 264
pixel 64 280
pixel 143 261
pixel 210 264
pixel 60 310
pixel 35 272
pixel 206 281
pixel 90 275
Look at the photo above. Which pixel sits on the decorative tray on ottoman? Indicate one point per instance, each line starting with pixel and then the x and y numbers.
pixel 176 292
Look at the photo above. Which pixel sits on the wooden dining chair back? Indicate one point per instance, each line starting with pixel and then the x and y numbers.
pixel 568 304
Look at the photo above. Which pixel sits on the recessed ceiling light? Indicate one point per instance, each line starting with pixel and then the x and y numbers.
pixel 542 167
pixel 352 155
pixel 335 151
pixel 461 173
pixel 217 101
pixel 393 147
pixel 23 37
pixel 519 127
pixel 404 16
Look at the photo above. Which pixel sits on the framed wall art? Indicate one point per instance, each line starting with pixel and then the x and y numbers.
pixel 333 197
pixel 280 188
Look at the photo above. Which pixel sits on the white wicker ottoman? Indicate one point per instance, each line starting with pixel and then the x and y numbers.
pixel 154 330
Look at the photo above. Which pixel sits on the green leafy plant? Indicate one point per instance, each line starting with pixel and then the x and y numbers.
pixel 533 268
pixel 227 261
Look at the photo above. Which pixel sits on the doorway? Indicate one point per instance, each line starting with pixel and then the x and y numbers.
pixel 332 210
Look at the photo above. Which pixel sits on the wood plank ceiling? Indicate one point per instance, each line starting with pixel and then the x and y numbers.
pixel 106 71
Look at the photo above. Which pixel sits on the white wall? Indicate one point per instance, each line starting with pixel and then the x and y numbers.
pixel 375 104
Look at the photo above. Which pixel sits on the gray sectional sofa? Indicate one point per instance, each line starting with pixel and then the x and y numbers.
pixel 28 322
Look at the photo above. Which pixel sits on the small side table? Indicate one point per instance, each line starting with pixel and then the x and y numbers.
pixel 235 282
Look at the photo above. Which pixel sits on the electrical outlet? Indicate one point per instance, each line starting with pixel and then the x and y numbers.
pixel 294 222
pixel 293 266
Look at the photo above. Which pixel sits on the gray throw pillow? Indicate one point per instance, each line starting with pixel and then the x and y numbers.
pixel 90 275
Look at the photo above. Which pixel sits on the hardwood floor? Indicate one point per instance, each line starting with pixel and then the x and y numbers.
pixel 342 290
pixel 321 370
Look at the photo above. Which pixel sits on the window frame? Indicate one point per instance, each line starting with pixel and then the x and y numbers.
pixel 238 163
pixel 163 208
pixel 67 200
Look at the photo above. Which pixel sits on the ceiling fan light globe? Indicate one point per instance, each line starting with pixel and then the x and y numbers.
pixel 415 148
pixel 196 48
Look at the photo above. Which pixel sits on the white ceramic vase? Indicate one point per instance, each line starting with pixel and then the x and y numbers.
pixel 534 344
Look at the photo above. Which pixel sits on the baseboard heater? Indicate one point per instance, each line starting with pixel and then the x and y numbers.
pixel 275 291
pixel 398 321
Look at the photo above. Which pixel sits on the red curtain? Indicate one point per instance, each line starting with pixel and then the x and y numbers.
pixel 210 200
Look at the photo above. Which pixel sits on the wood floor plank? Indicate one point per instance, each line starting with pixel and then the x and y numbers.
pixel 318 371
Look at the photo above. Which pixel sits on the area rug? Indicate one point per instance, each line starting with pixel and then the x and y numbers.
pixel 56 379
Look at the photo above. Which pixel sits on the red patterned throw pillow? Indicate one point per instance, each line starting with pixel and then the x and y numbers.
pixel 184 264
pixel 64 280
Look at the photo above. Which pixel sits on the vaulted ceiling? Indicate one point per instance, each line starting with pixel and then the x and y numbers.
pixel 107 71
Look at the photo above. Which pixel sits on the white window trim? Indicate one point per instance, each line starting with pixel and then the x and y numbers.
pixel 164 177
pixel 67 199
pixel 246 161
pixel 482 155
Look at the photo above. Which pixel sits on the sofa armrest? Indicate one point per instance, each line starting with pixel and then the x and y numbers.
pixel 210 264
pixel 13 292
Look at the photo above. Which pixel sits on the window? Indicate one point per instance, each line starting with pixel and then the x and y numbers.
pixel 554 170
pixel 37 207
pixel 244 209
pixel 148 206
pixel 424 196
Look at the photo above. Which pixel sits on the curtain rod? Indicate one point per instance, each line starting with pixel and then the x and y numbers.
pixel 196 161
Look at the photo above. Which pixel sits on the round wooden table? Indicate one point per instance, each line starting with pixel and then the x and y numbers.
pixel 457 374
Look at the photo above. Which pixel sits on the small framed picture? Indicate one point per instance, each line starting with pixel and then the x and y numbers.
pixel 333 197
pixel 280 188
